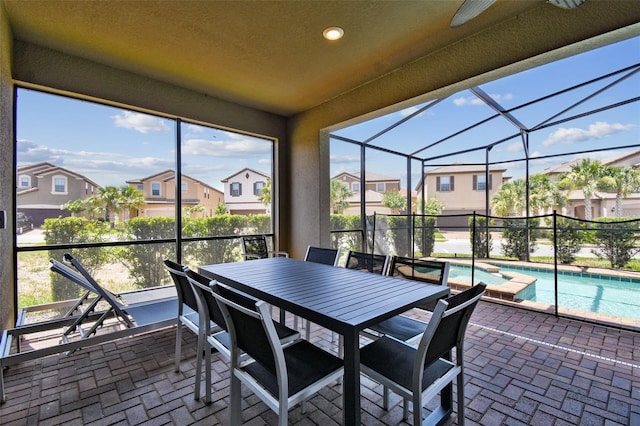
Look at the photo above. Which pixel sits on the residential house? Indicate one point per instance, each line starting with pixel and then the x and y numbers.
pixel 603 204
pixel 160 195
pixel 461 189
pixel 43 188
pixel 242 191
pixel 375 186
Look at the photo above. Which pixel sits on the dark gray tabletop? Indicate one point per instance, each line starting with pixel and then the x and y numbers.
pixel 343 300
pixel 329 296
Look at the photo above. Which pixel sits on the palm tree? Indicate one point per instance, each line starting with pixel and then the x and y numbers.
pixel 339 195
pixel 265 195
pixel 110 198
pixel 584 176
pixel 510 198
pixel 621 180
pixel 130 198
pixel 544 194
pixel 74 207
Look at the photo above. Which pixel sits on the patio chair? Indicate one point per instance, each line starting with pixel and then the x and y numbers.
pixel 255 247
pixel 139 311
pixel 281 377
pixel 130 315
pixel 368 262
pixel 322 255
pixel 419 374
pixel 209 313
pixel 187 307
pixel 401 326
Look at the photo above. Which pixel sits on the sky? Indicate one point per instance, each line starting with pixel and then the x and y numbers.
pixel 112 145
pixel 611 128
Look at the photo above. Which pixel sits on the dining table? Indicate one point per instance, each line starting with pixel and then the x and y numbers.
pixel 342 300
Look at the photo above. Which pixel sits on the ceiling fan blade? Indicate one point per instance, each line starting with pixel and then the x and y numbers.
pixel 567 4
pixel 469 10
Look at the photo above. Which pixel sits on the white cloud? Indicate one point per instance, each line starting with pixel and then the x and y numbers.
pixel 514 147
pixel 214 148
pixel 142 123
pixel 473 100
pixel 597 130
pixel 337 159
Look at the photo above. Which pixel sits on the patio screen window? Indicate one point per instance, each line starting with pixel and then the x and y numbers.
pixel 444 183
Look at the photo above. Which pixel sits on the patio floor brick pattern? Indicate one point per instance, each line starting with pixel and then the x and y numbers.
pixel 522 368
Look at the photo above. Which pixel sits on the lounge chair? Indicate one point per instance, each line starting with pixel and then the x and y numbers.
pixel 146 310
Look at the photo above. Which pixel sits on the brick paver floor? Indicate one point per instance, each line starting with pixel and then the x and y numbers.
pixel 522 368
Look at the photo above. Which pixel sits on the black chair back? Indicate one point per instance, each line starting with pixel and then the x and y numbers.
pixel 452 316
pixel 325 256
pixel 423 270
pixel 183 288
pixel 255 246
pixel 248 327
pixel 376 263
pixel 429 271
pixel 208 306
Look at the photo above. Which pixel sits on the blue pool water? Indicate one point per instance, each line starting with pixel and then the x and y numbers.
pixel 588 292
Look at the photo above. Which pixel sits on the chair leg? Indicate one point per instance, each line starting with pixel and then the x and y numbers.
pixel 207 372
pixel 460 392
pixel 308 330
pixel 235 416
pixel 200 353
pixel 385 398
pixel 178 347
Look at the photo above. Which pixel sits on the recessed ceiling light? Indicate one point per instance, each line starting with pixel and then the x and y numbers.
pixel 333 33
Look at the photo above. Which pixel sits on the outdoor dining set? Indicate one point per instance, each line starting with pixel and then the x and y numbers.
pixel 238 311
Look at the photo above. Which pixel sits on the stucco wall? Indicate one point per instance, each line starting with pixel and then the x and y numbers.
pixel 7 186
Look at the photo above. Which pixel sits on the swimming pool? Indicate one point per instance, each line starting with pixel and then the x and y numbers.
pixel 584 291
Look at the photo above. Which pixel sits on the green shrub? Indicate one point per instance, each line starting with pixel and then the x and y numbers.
pixel 617 239
pixel 425 234
pixel 481 242
pixel 346 240
pixel 514 236
pixel 144 261
pixel 569 237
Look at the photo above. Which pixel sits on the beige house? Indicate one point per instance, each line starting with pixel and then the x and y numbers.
pixel 603 204
pixel 242 191
pixel 43 188
pixel 375 186
pixel 160 195
pixel 461 189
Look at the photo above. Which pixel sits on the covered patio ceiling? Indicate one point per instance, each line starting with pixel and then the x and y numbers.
pixel 271 55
